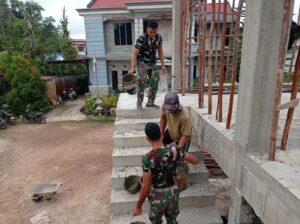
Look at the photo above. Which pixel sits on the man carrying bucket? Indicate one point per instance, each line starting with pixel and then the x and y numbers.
pixel 144 57
pixel 159 177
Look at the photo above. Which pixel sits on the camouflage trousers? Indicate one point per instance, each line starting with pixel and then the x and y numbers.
pixel 145 74
pixel 164 203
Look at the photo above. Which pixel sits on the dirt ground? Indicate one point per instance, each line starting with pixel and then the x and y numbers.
pixel 30 154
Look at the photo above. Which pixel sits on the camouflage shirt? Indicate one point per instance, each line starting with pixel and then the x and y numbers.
pixel 162 165
pixel 147 48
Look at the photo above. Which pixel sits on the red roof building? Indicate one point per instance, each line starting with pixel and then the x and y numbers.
pixel 105 4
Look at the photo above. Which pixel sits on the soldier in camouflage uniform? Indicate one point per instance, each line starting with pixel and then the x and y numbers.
pixel 144 58
pixel 159 178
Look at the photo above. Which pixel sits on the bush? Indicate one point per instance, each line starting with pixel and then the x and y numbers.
pixel 26 88
pixel 109 101
pixel 89 105
pixel 108 104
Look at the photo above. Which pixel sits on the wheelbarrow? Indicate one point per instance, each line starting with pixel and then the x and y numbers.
pixel 46 190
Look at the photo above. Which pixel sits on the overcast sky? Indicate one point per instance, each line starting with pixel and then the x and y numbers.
pixel 76 25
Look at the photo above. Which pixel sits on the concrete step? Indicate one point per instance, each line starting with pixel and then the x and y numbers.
pixel 132 138
pixel 132 156
pixel 133 124
pixel 126 107
pixel 197 195
pixel 207 215
pixel 197 174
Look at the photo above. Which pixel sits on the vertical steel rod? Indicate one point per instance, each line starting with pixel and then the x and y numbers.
pixel 210 75
pixel 200 55
pixel 279 74
pixel 234 65
pixel 230 41
pixel 217 43
pixel 290 113
pixel 220 95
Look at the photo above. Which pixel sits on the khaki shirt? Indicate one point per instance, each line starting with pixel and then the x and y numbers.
pixel 178 124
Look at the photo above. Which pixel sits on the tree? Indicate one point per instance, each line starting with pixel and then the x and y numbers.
pixel 66 48
pixel 5 32
pixel 25 86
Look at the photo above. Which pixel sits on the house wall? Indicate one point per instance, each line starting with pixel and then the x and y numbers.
pixel 110 38
pixel 95 46
pixel 165 30
pixel 118 66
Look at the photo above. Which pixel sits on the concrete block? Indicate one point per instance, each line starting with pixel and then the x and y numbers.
pixel 207 215
pixel 133 124
pixel 197 174
pixel 132 156
pixel 130 138
pixel 197 195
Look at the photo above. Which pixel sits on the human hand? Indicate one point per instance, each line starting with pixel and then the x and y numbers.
pixel 164 70
pixel 137 211
pixel 131 71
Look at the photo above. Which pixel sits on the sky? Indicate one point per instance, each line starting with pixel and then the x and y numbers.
pixel 76 23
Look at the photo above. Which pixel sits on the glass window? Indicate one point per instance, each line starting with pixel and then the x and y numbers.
pixel 123 33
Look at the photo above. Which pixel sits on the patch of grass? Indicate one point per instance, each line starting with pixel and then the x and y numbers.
pixel 101 119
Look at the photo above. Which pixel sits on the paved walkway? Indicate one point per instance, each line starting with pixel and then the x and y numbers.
pixel 67 111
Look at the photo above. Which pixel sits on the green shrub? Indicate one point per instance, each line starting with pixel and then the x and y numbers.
pixel 89 105
pixel 109 101
pixel 25 86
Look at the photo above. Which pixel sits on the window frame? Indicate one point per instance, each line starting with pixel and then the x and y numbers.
pixel 118 33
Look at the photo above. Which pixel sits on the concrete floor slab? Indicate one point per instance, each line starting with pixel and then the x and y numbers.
pixel 197 174
pixel 133 124
pixel 132 156
pixel 206 215
pixel 196 195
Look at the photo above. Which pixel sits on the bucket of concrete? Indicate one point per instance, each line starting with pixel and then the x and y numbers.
pixel 182 170
pixel 132 184
pixel 129 83
pixel 139 219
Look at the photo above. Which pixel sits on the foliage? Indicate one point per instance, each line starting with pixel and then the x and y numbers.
pixel 109 101
pixel 24 30
pixel 108 104
pixel 89 105
pixel 66 48
pixel 26 88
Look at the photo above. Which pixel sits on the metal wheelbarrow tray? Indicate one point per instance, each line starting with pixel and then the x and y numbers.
pixel 45 191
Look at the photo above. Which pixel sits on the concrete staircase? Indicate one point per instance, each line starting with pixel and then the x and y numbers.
pixel 196 202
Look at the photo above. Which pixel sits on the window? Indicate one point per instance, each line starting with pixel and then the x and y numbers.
pixel 123 33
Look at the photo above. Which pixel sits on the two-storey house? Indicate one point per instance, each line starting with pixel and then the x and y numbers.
pixel 111 30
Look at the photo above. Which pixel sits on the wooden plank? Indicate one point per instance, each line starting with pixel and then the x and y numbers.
pixel 291 104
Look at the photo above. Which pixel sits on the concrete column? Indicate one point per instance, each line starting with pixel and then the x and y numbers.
pixel 240 211
pixel 136 28
pixel 141 25
pixel 258 70
pixel 176 30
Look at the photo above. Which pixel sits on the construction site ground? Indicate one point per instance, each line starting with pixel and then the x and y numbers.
pixel 76 151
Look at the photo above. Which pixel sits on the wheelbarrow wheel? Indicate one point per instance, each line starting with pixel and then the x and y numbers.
pixel 36 198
